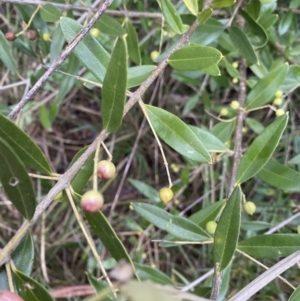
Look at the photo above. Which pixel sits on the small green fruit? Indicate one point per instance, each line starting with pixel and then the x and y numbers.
pixel 249 207
pixel 154 55
pixel 92 201
pixel 278 101
pixel 46 36
pixel 279 112
pixel 166 194
pixel 278 94
pixel 211 227
pixel 235 104
pixel 224 112
pixel 106 169
pixel 95 32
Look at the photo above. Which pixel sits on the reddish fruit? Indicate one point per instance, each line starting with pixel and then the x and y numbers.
pixel 106 169
pixel 10 36
pixel 92 201
pixel 31 35
pixel 9 296
pixel 166 194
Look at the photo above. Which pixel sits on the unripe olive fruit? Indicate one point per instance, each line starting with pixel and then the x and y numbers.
pixel 278 93
pixel 249 207
pixel 224 112
pixel 235 104
pixel 46 36
pixel 92 201
pixel 278 101
pixel 235 64
pixel 106 169
pixel 279 112
pixel 211 227
pixel 9 296
pixel 95 32
pixel 154 55
pixel 166 194
pixel 235 80
pixel 10 36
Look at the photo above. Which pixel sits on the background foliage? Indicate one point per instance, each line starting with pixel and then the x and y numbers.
pixel 218 83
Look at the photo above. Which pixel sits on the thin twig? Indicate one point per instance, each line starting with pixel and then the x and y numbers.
pixel 58 61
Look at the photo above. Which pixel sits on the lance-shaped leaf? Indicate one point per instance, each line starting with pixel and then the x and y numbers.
pixel 177 134
pixel 204 16
pixel 172 17
pixel 209 141
pixel 280 176
pixel 295 296
pixel 256 29
pixel 133 43
pixel 223 130
pixel 253 9
pixel 263 92
pixel 261 149
pixel 270 246
pixel 103 229
pixel 110 26
pixel 178 226
pixel 138 74
pixel 89 51
pixel 227 232
pixel 222 3
pixel 192 6
pixel 15 181
pixel 194 57
pixel 241 42
pixel 30 154
pixel 114 88
pixel 50 13
pixel 29 289
pixel 146 272
pixel 6 55
pixel 145 190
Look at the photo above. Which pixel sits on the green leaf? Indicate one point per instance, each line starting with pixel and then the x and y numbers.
pixel 263 92
pixel 241 42
pixel 285 22
pixel 30 154
pixel 6 55
pixel 145 190
pixel 233 72
pixel 227 232
pixel 23 255
pixel 114 88
pixel 177 134
pixel 178 226
pixel 295 296
pixel 22 258
pixel 295 160
pixel 110 26
pixel 256 30
pixel 195 57
pixel 204 16
pixel 148 273
pixel 133 43
pixel 212 70
pixel 209 141
pixel 15 181
pixel 255 225
pixel 172 17
pixel 254 125
pixel 280 176
pixel 223 130
pixel 270 246
pixel 208 213
pixel 50 13
pixel 253 9
pixel 138 74
pixel 83 175
pixel 261 149
pixel 29 289
pixel 192 6
pixel 103 229
pixel 222 3
pixel 45 119
pixel 89 51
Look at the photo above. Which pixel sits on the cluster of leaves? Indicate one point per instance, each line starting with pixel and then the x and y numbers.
pixel 118 60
